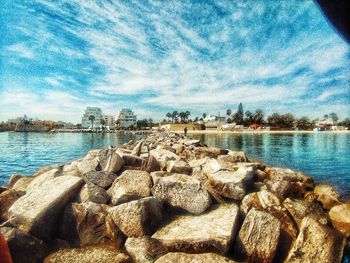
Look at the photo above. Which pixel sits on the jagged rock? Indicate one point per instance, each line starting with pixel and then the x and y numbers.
pixel 72 168
pixel 163 156
pixel 233 157
pixel 316 243
pixel 193 258
pixel 199 162
pixel 179 166
pixel 180 190
pixel 89 224
pixel 24 247
pixel 340 217
pixel 301 208
pixel 114 162
pixel 232 184
pixel 179 148
pixel 93 193
pixel 212 231
pixel 101 178
pixel 7 199
pixel 3 189
pixel 133 160
pixel 13 179
pixel 192 142
pixel 22 183
pixel 310 197
pixel 260 200
pixel 138 218
pixel 88 164
pixel 145 249
pixel 91 254
pixel 137 150
pixel 43 178
pixel 258 237
pixel 261 176
pixel 131 185
pixel 47 168
pixel 279 187
pixel 37 212
pixel 152 164
pixel 165 146
pixel 327 196
pixel 212 152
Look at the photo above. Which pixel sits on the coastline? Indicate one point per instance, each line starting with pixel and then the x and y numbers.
pixel 263 132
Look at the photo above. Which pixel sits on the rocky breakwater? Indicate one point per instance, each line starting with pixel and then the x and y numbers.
pixel 168 198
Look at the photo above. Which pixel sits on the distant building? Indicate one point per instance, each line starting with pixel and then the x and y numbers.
pixel 125 119
pixel 91 111
pixel 109 120
pixel 214 121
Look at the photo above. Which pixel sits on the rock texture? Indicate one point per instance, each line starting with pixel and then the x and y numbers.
pixel 193 258
pixel 212 231
pixel 7 198
pixel 340 217
pixel 100 178
pixel 327 196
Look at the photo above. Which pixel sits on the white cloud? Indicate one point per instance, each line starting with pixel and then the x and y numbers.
pixel 22 50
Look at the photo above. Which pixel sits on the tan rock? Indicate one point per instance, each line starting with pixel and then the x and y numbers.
pixel 151 164
pixel 234 157
pixel 101 178
pixel 212 231
pixel 37 212
pixel 133 160
pixel 340 217
pixel 163 156
pixel 92 254
pixel 327 196
pixel 138 218
pixel 43 178
pixel 114 163
pixel 7 199
pixel 93 193
pixel 261 200
pixel 130 185
pixel 183 191
pixel 88 164
pixel 212 152
pixel 145 249
pixel 193 258
pixel 137 149
pixel 178 166
pixel 316 243
pixel 258 237
pixel 301 208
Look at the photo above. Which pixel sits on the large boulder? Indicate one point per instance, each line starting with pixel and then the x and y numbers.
pixel 24 247
pixel 183 191
pixel 260 200
pixel 327 196
pixel 145 249
pixel 93 193
pixel 89 224
pixel 163 156
pixel 37 212
pixel 212 231
pixel 232 184
pixel 89 163
pixel 138 218
pixel 212 152
pixel 193 258
pixel 340 217
pixel 44 178
pixel 91 254
pixel 258 237
pixel 7 198
pixel 101 178
pixel 316 243
pixel 114 162
pixel 234 157
pixel 301 208
pixel 131 185
pixel 178 166
pixel 22 183
pixel 137 149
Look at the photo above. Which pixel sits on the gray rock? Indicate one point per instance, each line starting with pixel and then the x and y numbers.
pixel 100 178
pixel 133 160
pixel 212 231
pixel 152 164
pixel 193 258
pixel 316 243
pixel 131 185
pixel 37 212
pixel 145 249
pixel 178 166
pixel 183 191
pixel 258 237
pixel 138 218
pixel 24 247
pixel 93 193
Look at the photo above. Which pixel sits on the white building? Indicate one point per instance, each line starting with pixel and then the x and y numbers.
pixel 214 121
pixel 92 111
pixel 125 119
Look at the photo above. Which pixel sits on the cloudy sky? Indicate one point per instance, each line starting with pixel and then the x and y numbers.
pixel 57 57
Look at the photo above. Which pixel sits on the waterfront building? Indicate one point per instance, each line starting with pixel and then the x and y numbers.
pixel 109 120
pixel 212 121
pixel 125 119
pixel 91 111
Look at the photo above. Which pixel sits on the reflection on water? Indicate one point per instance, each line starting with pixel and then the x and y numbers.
pixel 325 157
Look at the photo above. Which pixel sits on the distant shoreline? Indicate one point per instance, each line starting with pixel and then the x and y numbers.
pixel 262 132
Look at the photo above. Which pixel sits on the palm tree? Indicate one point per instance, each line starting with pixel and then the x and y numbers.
pixel 325 116
pixel 187 114
pixel 103 122
pixel 228 112
pixel 182 116
pixel 174 115
pixel 92 118
pixel 334 117
pixel 204 115
pixel 168 115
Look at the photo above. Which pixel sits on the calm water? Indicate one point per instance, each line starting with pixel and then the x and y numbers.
pixel 325 157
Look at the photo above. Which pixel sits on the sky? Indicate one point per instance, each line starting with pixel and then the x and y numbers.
pixel 58 57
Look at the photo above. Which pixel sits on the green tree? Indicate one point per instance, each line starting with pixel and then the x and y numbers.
pixel 168 115
pixel 204 115
pixel 195 119
pixel 187 113
pixel 346 123
pixel 174 115
pixel 238 117
pixel 92 119
pixel 182 116
pixel 304 123
pixel 150 121
pixel 325 116
pixel 228 112
pixel 248 119
pixel 258 117
pixel 334 117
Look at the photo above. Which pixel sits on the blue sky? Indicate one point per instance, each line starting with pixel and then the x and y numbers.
pixel 57 57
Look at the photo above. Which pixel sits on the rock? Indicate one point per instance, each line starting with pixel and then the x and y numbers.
pixel 327 196
pixel 24 247
pixel 260 200
pixel 93 193
pixel 133 160
pixel 233 157
pixel 193 258
pixel 163 156
pixel 178 166
pixel 7 199
pixel 13 179
pixel 72 168
pixel 165 146
pixel 88 164
pixel 316 243
pixel 340 217
pixel 300 209
pixel 200 162
pixel 258 237
pixel 89 224
pixel 43 178
pixel 37 212
pixel 22 184
pixel 182 191
pixel 145 249
pixel 115 162
pixel 179 148
pixel 131 185
pixel 151 164
pixel 138 218
pixel 212 152
pixel 310 197
pixel 232 184
pixel 3 189
pixel 212 231
pixel 91 254
pixel 137 150
pixel 101 178
pixel 45 169
pixel 192 142
pixel 261 176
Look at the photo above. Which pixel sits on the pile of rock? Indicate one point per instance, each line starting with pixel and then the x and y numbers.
pixel 168 198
